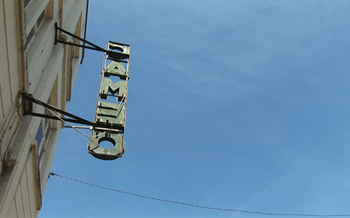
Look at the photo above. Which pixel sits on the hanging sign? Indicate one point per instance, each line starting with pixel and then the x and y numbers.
pixel 111 104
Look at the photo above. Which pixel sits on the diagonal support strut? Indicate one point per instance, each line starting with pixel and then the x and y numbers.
pixel 28 110
pixel 112 54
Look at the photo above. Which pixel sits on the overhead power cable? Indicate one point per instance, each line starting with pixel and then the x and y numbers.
pixel 199 206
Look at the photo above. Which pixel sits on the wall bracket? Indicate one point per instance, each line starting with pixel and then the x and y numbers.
pixel 113 55
pixel 28 101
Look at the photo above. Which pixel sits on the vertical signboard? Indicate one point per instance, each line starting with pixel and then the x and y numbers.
pixel 111 104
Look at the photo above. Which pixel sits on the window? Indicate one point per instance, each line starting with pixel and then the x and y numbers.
pixel 29 36
pixel 39 134
pixel 47 124
pixel 40 19
pixel 35 29
pixel 43 134
pixel 26 2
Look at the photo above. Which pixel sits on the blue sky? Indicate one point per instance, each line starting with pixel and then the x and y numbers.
pixel 240 104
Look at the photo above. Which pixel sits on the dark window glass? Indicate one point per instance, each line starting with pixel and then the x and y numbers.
pixel 40 19
pixel 26 2
pixel 29 36
pixel 39 134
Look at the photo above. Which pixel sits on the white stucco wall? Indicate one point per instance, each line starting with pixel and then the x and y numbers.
pixel 43 70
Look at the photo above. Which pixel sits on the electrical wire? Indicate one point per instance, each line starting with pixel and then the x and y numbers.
pixel 198 206
pixel 53 113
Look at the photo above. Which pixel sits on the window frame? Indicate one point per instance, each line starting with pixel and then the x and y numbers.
pixel 27 3
pixel 36 27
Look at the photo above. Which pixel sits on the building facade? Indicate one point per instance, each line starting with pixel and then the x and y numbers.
pixel 31 63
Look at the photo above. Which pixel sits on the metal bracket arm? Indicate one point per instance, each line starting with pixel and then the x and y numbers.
pixel 112 54
pixel 28 110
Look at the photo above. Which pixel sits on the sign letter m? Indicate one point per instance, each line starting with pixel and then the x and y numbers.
pixel 113 88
